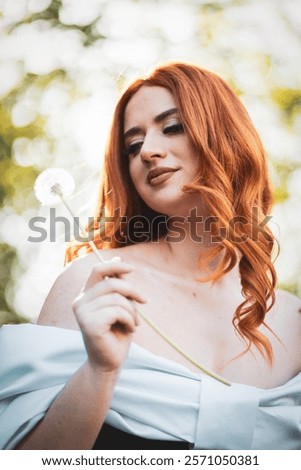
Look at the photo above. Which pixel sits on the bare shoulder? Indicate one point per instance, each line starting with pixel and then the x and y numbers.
pixel 57 308
pixel 288 304
pixel 285 315
pixel 285 321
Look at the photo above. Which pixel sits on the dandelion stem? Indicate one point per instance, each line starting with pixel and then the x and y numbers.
pixel 82 228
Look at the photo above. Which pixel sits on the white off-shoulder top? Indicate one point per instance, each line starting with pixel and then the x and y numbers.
pixel 154 398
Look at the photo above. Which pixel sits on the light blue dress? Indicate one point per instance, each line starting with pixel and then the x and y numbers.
pixel 154 398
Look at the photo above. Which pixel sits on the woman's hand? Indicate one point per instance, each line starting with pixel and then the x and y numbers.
pixel 106 315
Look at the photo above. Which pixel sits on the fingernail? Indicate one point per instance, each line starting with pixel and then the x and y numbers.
pixel 116 258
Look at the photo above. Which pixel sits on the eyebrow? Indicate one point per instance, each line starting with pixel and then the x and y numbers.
pixel 136 130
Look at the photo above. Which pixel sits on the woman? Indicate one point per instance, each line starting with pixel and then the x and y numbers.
pixel 184 207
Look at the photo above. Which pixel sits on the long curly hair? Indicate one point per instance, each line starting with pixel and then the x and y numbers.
pixel 232 179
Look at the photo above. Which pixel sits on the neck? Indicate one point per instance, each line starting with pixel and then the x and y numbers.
pixel 187 238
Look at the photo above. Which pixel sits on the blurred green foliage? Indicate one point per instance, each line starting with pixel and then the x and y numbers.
pixel 7 258
pixel 51 15
pixel 289 100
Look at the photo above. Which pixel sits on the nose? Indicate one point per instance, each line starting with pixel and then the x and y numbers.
pixel 152 147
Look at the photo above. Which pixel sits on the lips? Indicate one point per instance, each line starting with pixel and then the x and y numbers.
pixel 159 175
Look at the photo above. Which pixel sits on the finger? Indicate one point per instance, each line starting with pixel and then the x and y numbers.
pixel 110 318
pixel 124 318
pixel 83 308
pixel 107 269
pixel 119 286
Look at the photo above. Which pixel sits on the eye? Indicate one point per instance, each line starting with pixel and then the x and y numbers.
pixel 173 129
pixel 134 149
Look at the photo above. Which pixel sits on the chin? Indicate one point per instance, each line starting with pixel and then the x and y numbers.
pixel 171 207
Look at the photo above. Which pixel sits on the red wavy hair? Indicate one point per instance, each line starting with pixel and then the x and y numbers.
pixel 232 179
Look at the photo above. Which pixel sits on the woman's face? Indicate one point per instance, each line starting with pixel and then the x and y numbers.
pixel 161 157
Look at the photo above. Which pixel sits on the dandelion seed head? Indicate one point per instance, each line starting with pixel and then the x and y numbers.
pixel 53 183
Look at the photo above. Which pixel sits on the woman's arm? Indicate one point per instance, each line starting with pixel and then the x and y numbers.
pixel 107 319
pixel 77 415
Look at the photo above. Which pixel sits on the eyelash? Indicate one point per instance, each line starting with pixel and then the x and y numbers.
pixel 133 149
pixel 173 129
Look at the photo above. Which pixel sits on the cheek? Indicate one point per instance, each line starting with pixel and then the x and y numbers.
pixel 135 174
pixel 135 171
pixel 193 162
